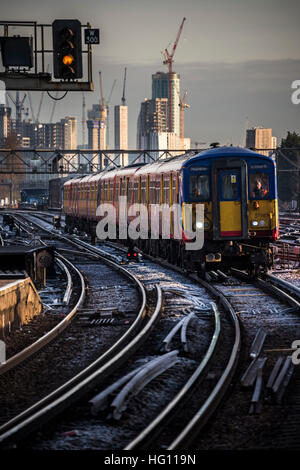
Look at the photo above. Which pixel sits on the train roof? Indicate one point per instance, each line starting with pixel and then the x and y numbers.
pixel 172 163
pixel 226 152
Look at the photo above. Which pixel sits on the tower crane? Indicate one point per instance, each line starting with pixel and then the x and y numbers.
pixel 31 108
pixel 83 121
pixel 54 106
pixel 102 105
pixel 168 60
pixel 19 108
pixel 198 143
pixel 107 108
pixel 244 135
pixel 124 82
pixel 182 105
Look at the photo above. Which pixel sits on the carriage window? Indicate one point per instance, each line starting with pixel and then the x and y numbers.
pixel 152 189
pixel 230 186
pixel 122 187
pixel 143 191
pixel 259 185
pixel 199 187
pixel 129 190
pixel 111 191
pixel 166 191
pixel 136 191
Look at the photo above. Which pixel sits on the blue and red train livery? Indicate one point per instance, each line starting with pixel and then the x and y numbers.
pixel 237 187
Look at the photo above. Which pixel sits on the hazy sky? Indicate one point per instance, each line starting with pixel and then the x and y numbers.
pixel 236 58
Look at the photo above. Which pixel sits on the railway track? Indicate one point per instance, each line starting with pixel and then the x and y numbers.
pixel 192 381
pixel 113 356
pixel 199 415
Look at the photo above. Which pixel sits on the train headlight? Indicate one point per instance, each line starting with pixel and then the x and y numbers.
pixel 254 223
pixel 199 225
pixel 262 223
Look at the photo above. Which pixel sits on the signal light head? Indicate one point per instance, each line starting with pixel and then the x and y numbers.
pixel 67 50
pixel 66 33
pixel 68 59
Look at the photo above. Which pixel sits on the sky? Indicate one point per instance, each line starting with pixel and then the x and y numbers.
pixel 237 60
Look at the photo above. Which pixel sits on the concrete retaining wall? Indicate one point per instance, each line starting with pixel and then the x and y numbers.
pixel 19 303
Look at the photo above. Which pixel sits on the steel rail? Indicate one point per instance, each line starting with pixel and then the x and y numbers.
pixel 53 333
pixel 291 288
pixel 189 433
pixel 113 357
pixel 200 418
pixel 136 324
pixel 68 291
pixel 78 386
pixel 278 287
pixel 151 431
pixel 208 408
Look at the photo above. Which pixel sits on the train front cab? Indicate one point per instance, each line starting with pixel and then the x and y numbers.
pixel 239 224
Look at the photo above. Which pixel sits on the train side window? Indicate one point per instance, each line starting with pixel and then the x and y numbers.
pixel 174 189
pixel 152 189
pixel 199 187
pixel 259 185
pixel 129 191
pixel 143 191
pixel 166 195
pixel 111 190
pixel 136 191
pixel 229 187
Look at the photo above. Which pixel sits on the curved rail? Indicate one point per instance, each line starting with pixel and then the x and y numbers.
pixel 68 291
pixel 76 387
pixel 53 333
pixel 151 431
pixel 204 413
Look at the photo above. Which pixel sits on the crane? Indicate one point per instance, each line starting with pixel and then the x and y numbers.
pixel 198 143
pixel 102 105
pixel 168 60
pixel 107 108
pixel 31 107
pixel 19 108
pixel 123 97
pixel 53 106
pixel 244 135
pixel 83 121
pixel 182 105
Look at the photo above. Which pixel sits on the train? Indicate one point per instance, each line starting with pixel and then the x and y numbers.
pixel 34 198
pixel 236 187
pixel 56 189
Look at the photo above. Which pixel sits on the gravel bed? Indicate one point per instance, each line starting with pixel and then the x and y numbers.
pixel 73 350
pixel 80 430
pixel 234 428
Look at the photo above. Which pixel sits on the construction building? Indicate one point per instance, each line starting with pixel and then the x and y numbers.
pixel 5 123
pixel 160 89
pixel 260 139
pixel 121 131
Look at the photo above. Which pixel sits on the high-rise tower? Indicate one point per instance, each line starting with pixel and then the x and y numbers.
pixel 160 89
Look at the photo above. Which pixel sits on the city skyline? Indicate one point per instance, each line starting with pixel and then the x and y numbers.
pixel 235 73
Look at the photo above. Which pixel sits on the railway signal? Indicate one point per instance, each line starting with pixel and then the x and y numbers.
pixel 16 51
pixel 67 49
